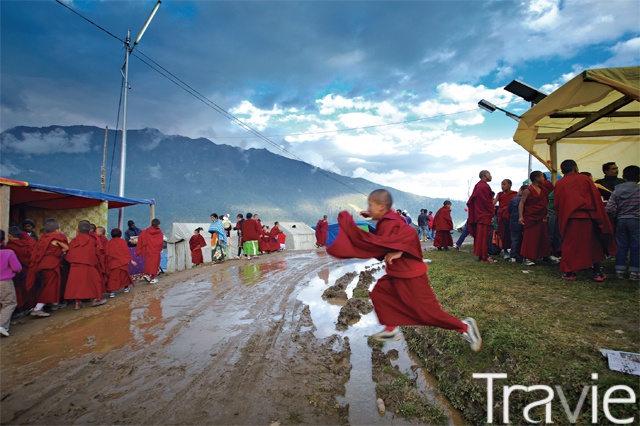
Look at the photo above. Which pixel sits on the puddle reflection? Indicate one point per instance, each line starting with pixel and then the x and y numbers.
pixel 360 392
pixel 97 334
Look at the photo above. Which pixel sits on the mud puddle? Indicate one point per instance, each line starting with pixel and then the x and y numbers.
pixel 360 390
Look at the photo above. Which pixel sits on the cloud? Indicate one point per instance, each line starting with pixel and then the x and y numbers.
pixel 7 169
pixel 155 172
pixel 55 141
pixel 151 138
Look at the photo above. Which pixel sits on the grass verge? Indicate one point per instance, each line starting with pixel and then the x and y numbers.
pixel 536 328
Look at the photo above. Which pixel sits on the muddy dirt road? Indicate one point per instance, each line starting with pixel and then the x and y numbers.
pixel 244 342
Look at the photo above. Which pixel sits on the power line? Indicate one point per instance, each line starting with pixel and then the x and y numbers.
pixel 208 102
pixel 180 83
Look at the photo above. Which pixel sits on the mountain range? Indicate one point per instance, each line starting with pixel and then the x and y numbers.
pixel 191 178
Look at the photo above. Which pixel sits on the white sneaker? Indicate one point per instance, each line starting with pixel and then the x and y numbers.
pixel 506 256
pixel 127 289
pixel 154 281
pixel 4 332
pixel 112 295
pixel 387 336
pixel 553 259
pixel 512 260
pixel 147 277
pixel 473 334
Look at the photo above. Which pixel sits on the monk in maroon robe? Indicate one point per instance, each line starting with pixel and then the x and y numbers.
pixel 584 225
pixel 274 244
pixel 263 242
pixel 322 230
pixel 22 245
pixel 403 296
pixel 45 265
pixel 196 243
pixel 481 214
pixel 118 258
pixel 85 274
pixel 150 244
pixel 502 200
pixel 443 225
pixel 533 215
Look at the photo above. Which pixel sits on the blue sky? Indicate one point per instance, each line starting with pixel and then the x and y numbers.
pixel 383 90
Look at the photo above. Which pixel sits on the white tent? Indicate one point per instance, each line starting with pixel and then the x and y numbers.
pixel 299 235
pixel 178 252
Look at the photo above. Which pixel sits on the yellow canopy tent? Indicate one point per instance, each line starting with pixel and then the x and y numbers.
pixel 592 119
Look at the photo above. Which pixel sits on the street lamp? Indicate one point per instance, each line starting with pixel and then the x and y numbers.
pixel 529 94
pixel 488 106
pixel 123 156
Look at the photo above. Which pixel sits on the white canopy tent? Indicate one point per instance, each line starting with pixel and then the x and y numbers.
pixel 592 119
pixel 299 235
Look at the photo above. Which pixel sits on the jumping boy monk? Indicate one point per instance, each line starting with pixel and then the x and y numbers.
pixel 403 296
pixel 150 243
pixel 533 216
pixel 118 258
pixel 443 225
pixel 45 264
pixel 86 274
pixel 502 200
pixel 481 216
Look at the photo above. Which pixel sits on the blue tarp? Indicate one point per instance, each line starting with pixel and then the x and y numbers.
pixel 55 197
pixel 333 229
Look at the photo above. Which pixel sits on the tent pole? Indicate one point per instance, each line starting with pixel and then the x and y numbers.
pixel 554 162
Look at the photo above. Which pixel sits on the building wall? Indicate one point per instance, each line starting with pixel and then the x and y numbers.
pixel 69 218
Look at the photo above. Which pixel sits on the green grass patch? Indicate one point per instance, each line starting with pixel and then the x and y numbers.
pixel 361 294
pixel 536 328
pixel 407 401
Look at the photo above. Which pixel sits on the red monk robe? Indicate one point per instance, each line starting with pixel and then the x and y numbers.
pixel 584 226
pixel 118 258
pixel 23 247
pixel 45 264
pixel 481 218
pixel 322 230
pixel 504 232
pixel 403 296
pixel 443 224
pixel 196 243
pixel 535 240
pixel 274 244
pixel 149 246
pixel 263 242
pixel 85 275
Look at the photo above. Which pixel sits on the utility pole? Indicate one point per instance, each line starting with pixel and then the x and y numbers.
pixel 123 156
pixel 104 159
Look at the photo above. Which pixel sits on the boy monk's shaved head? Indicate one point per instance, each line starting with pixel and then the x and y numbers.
pixel 382 196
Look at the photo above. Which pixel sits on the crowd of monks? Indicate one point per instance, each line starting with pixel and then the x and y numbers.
pixel 569 223
pixel 54 269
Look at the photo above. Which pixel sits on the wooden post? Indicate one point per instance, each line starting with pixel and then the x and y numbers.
pixel 5 203
pixel 104 159
pixel 152 211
